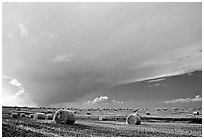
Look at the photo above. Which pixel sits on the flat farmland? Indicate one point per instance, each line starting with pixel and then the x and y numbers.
pixel 159 124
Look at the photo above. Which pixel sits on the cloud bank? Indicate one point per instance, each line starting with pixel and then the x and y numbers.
pixel 184 100
pixel 97 100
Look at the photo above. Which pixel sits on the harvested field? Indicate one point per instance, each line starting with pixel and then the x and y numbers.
pixel 98 129
pixel 110 126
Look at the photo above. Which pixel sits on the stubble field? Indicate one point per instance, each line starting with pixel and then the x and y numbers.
pixel 158 124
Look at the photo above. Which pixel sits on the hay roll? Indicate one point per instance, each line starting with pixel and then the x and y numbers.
pixel 133 119
pixel 147 113
pixel 27 116
pixel 135 110
pixel 64 117
pixel 100 118
pixel 49 117
pixel 22 115
pixel 40 116
pixel 14 115
pixel 88 113
pixel 195 113
pixel 31 116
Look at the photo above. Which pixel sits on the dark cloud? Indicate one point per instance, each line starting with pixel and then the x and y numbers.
pixel 52 89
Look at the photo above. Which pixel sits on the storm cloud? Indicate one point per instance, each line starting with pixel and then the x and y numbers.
pixel 78 50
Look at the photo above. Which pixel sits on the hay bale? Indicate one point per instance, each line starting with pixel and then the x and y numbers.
pixel 22 115
pixel 49 111
pixel 31 116
pixel 49 117
pixel 135 110
pixel 133 119
pixel 100 118
pixel 64 117
pixel 195 113
pixel 147 113
pixel 39 116
pixel 14 115
pixel 88 113
pixel 27 116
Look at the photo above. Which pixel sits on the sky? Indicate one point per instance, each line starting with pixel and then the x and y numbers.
pixel 72 54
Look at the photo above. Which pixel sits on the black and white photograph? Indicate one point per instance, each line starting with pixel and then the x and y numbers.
pixel 101 69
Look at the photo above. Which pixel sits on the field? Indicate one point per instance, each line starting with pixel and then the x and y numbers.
pixel 169 123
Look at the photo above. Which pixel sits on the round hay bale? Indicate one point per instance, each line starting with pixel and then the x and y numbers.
pixel 49 111
pixel 147 113
pixel 195 113
pixel 49 117
pixel 14 115
pixel 175 109
pixel 88 113
pixel 100 118
pixel 64 117
pixel 135 110
pixel 31 116
pixel 22 115
pixel 133 119
pixel 27 116
pixel 39 116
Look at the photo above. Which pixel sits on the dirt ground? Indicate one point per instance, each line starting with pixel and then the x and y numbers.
pixel 24 127
pixel 159 124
